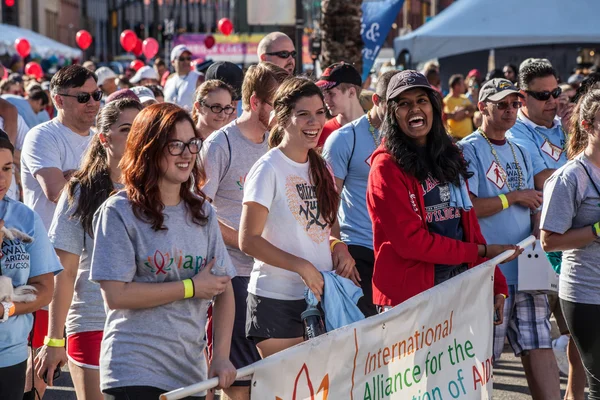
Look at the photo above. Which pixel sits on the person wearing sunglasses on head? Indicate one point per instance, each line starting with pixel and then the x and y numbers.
pixel 278 48
pixel 507 207
pixel 180 87
pixel 53 151
pixel 538 129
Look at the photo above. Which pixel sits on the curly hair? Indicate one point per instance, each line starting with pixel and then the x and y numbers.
pixel 140 166
pixel 444 160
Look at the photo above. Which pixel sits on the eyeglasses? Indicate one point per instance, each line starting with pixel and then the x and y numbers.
pixel 182 59
pixel 177 147
pixel 504 105
pixel 283 54
pixel 545 95
pixel 217 109
pixel 83 98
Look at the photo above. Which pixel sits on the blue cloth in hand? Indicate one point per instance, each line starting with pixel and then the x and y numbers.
pixel 339 301
pixel 459 196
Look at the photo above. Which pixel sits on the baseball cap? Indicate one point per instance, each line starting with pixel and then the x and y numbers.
pixel 229 73
pixel 575 79
pixel 406 80
pixel 339 73
pixel 103 74
pixel 178 51
pixel 122 94
pixel 475 73
pixel 497 89
pixel 146 72
pixel 143 93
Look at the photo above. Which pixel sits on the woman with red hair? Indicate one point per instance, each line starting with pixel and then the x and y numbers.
pixel 160 260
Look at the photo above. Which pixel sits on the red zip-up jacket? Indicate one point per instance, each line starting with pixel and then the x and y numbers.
pixel 405 251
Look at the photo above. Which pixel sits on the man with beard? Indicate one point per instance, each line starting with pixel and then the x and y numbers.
pixel 278 48
pixel 227 156
pixel 507 207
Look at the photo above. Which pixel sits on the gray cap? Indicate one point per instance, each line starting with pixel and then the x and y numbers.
pixel 497 89
pixel 406 80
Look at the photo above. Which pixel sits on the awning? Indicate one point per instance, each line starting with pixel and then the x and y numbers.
pixel 40 44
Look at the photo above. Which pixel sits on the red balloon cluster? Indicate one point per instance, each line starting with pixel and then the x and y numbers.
pixel 139 48
pixel 83 39
pixel 150 46
pixel 136 64
pixel 34 69
pixel 23 47
pixel 128 40
pixel 209 41
pixel 225 26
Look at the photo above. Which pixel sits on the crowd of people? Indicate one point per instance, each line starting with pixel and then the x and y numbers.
pixel 177 231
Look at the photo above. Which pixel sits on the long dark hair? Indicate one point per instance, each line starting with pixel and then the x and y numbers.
pixel 140 165
pixel 586 110
pixel 286 97
pixel 444 160
pixel 93 179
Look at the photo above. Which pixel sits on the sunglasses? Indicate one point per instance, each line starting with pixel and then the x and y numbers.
pixel 83 98
pixel 228 110
pixel 545 95
pixel 182 59
pixel 283 54
pixel 177 147
pixel 504 105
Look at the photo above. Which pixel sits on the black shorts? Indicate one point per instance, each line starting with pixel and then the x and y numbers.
pixel 139 393
pixel 274 319
pixel 365 260
pixel 12 381
pixel 243 350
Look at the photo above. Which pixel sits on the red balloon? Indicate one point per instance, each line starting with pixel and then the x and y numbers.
pixel 138 49
pixel 128 39
pixel 209 41
pixel 225 26
pixel 10 3
pixel 83 39
pixel 34 69
pixel 136 64
pixel 150 47
pixel 23 47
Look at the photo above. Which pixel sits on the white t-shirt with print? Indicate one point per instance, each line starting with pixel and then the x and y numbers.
pixel 294 223
pixel 48 145
pixel 22 129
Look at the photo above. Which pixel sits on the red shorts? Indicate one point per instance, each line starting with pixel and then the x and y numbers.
pixel 40 328
pixel 83 349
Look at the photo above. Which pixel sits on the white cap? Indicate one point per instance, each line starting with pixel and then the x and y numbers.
pixel 146 72
pixel 143 93
pixel 178 51
pixel 103 74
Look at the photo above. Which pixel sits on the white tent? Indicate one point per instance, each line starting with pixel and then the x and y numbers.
pixel 40 44
pixel 473 25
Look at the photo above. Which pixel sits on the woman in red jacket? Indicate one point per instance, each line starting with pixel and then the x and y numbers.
pixel 420 240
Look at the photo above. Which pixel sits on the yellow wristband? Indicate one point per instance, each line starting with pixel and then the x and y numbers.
pixel 596 227
pixel 504 201
pixel 188 287
pixel 12 309
pixel 503 295
pixel 333 243
pixel 54 342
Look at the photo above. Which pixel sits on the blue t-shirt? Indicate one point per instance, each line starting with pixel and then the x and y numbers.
pixel 546 146
pixel 21 262
pixel 23 108
pixel 348 150
pixel 512 225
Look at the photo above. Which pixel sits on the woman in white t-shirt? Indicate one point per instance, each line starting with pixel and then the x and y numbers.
pixel 290 204
pixel 77 302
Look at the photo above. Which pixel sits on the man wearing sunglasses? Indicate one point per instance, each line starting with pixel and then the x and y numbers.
pixel 278 48
pixel 507 207
pixel 538 129
pixel 180 87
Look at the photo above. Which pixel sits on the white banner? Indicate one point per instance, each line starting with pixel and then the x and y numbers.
pixel 435 346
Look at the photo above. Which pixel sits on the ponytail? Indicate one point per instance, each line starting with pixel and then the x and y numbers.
pixel 322 178
pixel 275 137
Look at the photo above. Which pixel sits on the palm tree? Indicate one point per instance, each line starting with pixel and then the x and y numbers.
pixel 341 40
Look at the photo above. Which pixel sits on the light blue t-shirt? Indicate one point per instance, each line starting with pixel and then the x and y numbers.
pixel 21 262
pixel 23 108
pixel 512 225
pixel 348 150
pixel 546 146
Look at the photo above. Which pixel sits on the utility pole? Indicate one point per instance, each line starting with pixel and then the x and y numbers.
pixel 299 34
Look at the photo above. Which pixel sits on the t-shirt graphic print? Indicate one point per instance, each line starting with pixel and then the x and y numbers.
pixel 302 201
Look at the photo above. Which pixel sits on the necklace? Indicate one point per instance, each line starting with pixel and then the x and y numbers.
pixel 376 139
pixel 502 172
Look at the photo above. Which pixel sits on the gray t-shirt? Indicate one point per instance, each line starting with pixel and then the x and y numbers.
pixel 160 346
pixel 572 201
pixel 225 177
pixel 66 233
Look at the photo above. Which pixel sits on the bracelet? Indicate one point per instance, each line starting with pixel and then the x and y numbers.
pixel 504 201
pixel 333 243
pixel 503 295
pixel 188 287
pixel 596 229
pixel 50 342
